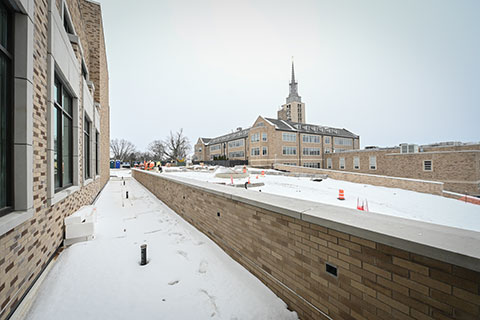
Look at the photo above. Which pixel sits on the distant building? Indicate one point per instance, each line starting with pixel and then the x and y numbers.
pixel 457 164
pixel 54 140
pixel 287 139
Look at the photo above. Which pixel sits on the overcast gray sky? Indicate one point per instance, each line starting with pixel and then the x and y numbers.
pixel 389 71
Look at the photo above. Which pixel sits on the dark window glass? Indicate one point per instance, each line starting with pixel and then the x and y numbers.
pixel 62 137
pixel 97 153
pixel 66 22
pixel 86 143
pixel 6 181
pixel 56 147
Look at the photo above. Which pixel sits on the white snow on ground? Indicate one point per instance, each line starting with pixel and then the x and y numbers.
pixel 388 201
pixel 187 277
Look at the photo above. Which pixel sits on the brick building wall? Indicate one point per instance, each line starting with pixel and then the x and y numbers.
pixel 431 187
pixel 288 252
pixel 457 167
pixel 26 248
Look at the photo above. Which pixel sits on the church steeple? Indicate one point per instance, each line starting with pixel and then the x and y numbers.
pixel 293 95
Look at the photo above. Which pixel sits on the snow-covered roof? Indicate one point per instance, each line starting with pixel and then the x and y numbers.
pixel 229 137
pixel 287 125
pixel 205 140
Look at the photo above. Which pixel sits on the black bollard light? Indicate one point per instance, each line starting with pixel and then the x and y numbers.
pixel 123 182
pixel 143 254
pixel 126 195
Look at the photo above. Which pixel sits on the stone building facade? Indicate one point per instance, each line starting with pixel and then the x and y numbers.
pixel 285 140
pixel 57 141
pixel 457 165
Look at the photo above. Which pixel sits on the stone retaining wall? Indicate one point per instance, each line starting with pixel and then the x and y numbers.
pixel 387 267
pixel 432 187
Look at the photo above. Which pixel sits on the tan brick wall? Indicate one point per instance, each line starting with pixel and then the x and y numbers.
pixel 375 281
pixel 457 167
pixel 376 180
pixel 25 250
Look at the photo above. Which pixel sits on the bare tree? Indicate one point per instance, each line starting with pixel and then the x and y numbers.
pixel 122 149
pixel 176 146
pixel 157 149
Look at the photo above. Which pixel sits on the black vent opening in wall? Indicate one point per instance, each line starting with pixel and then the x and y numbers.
pixel 218 214
pixel 331 269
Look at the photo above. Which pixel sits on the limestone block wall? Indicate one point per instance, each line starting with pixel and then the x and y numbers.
pixel 388 268
pixel 432 187
pixel 457 167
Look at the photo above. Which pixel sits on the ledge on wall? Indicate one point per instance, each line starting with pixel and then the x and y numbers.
pixel 448 244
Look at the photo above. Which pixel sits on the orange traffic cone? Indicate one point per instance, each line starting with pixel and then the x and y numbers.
pixel 341 195
pixel 263 173
pixel 231 179
pixel 248 180
pixel 257 176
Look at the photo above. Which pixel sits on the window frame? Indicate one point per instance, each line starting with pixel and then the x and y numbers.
pixel 370 162
pixel 292 148
pixel 358 166
pixel 290 135
pixel 424 165
pixel 329 163
pixel 60 126
pixel 97 153
pixel 253 151
pixel 341 163
pixel 7 53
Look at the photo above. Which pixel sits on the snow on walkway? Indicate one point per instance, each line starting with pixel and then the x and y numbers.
pixel 187 277
pixel 389 201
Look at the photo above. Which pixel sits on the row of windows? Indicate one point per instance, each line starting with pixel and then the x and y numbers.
pixel 289 150
pixel 256 151
pixel 343 141
pixel 310 138
pixel 236 154
pixel 312 164
pixel 64 112
pixel 289 137
pixel 311 151
pixel 372 162
pixel 235 143
pixel 215 147
pixel 256 137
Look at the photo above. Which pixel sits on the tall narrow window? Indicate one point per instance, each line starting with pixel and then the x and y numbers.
pixel 86 145
pixel 63 137
pixel 97 153
pixel 5 110
pixel 356 162
pixel 373 162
